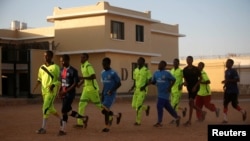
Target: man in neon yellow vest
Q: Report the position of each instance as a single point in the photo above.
(142, 77)
(176, 90)
(48, 77)
(90, 90)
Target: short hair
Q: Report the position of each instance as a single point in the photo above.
(107, 60)
(65, 57)
(176, 59)
(86, 55)
(230, 60)
(49, 52)
(141, 58)
(202, 63)
(164, 62)
(191, 57)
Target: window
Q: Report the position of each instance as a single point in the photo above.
(15, 55)
(23, 55)
(20, 53)
(8, 55)
(139, 33)
(117, 30)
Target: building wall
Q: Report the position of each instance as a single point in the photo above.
(244, 72)
(37, 59)
(129, 43)
(5, 33)
(165, 41)
(92, 33)
(80, 34)
(36, 32)
(121, 63)
(215, 68)
(125, 63)
(165, 45)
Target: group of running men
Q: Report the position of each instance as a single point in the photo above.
(63, 81)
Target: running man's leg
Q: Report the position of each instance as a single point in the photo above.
(199, 105)
(235, 104)
(140, 107)
(47, 108)
(160, 106)
(172, 112)
(84, 99)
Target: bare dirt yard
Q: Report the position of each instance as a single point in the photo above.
(19, 121)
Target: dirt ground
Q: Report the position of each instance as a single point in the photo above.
(19, 121)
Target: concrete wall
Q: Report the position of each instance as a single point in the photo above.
(90, 32)
(121, 63)
(80, 34)
(37, 59)
(215, 68)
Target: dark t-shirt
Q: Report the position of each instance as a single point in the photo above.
(68, 78)
(231, 87)
(191, 75)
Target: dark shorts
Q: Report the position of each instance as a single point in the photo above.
(66, 103)
(191, 94)
(230, 97)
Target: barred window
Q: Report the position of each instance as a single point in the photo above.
(139, 33)
(117, 30)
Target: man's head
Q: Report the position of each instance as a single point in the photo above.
(176, 62)
(64, 59)
(140, 62)
(106, 63)
(201, 65)
(229, 63)
(48, 55)
(162, 65)
(84, 57)
(189, 60)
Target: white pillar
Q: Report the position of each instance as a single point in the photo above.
(51, 45)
